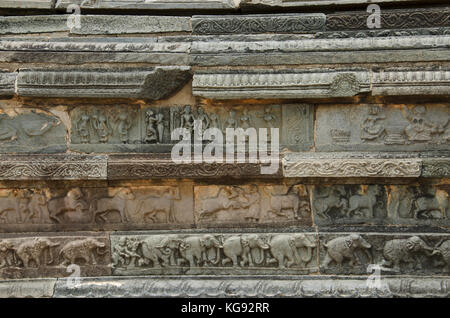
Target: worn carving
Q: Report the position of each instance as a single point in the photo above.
(343, 249)
(213, 253)
(7, 81)
(399, 251)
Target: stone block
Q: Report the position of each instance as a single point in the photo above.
(31, 131)
(27, 4)
(286, 23)
(7, 83)
(34, 24)
(29, 288)
(154, 4)
(101, 208)
(382, 128)
(215, 254)
(436, 168)
(50, 255)
(155, 83)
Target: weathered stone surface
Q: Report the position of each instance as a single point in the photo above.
(340, 165)
(436, 168)
(300, 50)
(314, 3)
(98, 50)
(149, 128)
(154, 4)
(382, 127)
(81, 209)
(287, 23)
(126, 167)
(30, 288)
(7, 83)
(27, 4)
(351, 253)
(252, 204)
(123, 24)
(228, 287)
(209, 254)
(33, 24)
(155, 83)
(49, 256)
(55, 167)
(31, 130)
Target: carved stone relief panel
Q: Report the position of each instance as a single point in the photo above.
(31, 131)
(252, 204)
(96, 208)
(214, 253)
(352, 253)
(379, 127)
(49, 256)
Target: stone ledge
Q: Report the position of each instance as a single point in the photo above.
(27, 4)
(27, 288)
(235, 287)
(155, 4)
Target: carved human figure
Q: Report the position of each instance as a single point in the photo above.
(204, 119)
(160, 126)
(194, 250)
(245, 119)
(227, 198)
(284, 249)
(214, 121)
(187, 119)
(84, 249)
(82, 128)
(253, 198)
(231, 121)
(33, 249)
(7, 132)
(101, 126)
(123, 127)
(6, 253)
(241, 246)
(420, 129)
(371, 129)
(399, 251)
(341, 248)
(443, 249)
(125, 252)
(151, 133)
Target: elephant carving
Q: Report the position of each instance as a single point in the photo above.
(6, 253)
(81, 249)
(285, 247)
(242, 246)
(160, 250)
(443, 249)
(73, 201)
(119, 202)
(342, 248)
(404, 250)
(33, 249)
(194, 250)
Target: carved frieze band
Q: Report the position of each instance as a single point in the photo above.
(320, 83)
(156, 83)
(52, 167)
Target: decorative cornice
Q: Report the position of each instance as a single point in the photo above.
(436, 168)
(7, 83)
(294, 286)
(53, 167)
(287, 23)
(156, 83)
(322, 83)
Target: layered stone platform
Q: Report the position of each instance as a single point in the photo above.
(357, 207)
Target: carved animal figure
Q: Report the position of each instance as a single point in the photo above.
(194, 250)
(225, 199)
(32, 250)
(425, 207)
(334, 198)
(73, 201)
(360, 203)
(344, 247)
(284, 249)
(404, 250)
(7, 204)
(6, 253)
(283, 202)
(119, 202)
(159, 249)
(242, 246)
(81, 249)
(443, 249)
(150, 207)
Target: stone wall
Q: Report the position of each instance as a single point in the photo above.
(88, 104)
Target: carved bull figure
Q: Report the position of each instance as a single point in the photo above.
(118, 202)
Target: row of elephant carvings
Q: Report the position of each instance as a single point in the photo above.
(272, 250)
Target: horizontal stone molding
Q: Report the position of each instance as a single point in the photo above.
(27, 4)
(34, 24)
(298, 167)
(436, 168)
(154, 4)
(7, 83)
(27, 288)
(53, 167)
(229, 287)
(155, 83)
(289, 23)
